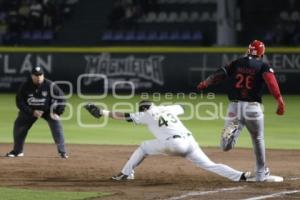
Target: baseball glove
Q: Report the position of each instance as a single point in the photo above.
(93, 110)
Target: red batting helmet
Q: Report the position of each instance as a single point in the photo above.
(256, 48)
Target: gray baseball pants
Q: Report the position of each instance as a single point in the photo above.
(247, 114)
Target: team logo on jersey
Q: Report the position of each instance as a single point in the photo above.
(44, 93)
(32, 101)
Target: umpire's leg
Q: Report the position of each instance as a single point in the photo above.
(57, 134)
(21, 126)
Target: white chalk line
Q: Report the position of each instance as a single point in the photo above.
(189, 194)
(293, 179)
(273, 195)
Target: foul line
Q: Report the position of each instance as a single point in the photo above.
(273, 195)
(293, 179)
(205, 192)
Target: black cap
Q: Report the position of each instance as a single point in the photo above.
(144, 105)
(37, 71)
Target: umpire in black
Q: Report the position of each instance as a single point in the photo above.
(38, 98)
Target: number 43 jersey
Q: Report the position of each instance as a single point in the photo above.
(246, 81)
(162, 121)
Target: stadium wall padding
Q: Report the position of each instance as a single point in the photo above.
(146, 69)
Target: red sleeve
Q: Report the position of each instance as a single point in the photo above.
(272, 84)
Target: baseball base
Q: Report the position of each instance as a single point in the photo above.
(273, 178)
(269, 179)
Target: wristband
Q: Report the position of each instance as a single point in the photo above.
(105, 113)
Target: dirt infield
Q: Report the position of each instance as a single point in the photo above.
(90, 167)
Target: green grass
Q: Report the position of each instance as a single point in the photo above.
(25, 194)
(281, 132)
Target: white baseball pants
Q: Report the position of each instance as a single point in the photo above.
(184, 146)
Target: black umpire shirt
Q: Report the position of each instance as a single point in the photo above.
(32, 97)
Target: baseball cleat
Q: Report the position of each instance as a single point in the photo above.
(122, 176)
(267, 171)
(229, 131)
(63, 156)
(245, 176)
(13, 154)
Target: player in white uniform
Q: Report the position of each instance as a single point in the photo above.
(172, 138)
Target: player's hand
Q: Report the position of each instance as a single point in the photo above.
(280, 106)
(93, 110)
(54, 116)
(202, 85)
(38, 113)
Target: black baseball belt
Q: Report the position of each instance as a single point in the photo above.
(179, 136)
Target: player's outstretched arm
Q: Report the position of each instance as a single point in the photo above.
(97, 112)
(273, 87)
(116, 115)
(214, 78)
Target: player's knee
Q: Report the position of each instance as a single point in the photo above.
(143, 148)
(179, 150)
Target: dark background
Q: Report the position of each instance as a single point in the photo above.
(178, 24)
(140, 22)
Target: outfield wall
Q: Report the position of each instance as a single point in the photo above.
(161, 69)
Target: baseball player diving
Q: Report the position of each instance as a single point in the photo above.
(246, 77)
(172, 138)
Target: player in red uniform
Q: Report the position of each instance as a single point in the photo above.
(247, 77)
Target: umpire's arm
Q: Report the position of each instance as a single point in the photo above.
(59, 101)
(21, 103)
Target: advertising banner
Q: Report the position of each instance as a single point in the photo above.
(151, 72)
